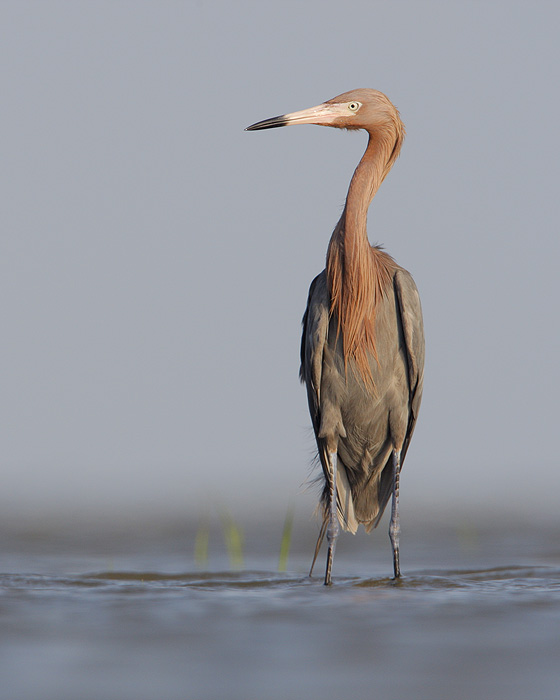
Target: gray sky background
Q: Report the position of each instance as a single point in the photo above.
(156, 258)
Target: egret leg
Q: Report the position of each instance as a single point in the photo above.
(319, 543)
(394, 526)
(332, 526)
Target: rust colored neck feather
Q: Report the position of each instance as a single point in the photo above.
(358, 274)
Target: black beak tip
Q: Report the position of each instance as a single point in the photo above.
(273, 123)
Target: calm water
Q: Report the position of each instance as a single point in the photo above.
(88, 613)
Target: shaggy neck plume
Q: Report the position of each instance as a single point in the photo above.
(358, 274)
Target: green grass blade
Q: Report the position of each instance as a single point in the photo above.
(286, 540)
(201, 545)
(234, 541)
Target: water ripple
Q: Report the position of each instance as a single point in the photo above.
(502, 580)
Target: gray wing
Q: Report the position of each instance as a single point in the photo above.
(313, 364)
(410, 321)
(314, 335)
(410, 316)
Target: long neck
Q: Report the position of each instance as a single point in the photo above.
(357, 274)
(364, 184)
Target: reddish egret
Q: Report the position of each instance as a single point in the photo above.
(362, 348)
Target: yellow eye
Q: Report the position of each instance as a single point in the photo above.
(354, 106)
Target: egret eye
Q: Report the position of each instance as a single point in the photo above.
(354, 106)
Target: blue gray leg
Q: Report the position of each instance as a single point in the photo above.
(332, 527)
(394, 527)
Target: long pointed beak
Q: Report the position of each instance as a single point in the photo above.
(324, 114)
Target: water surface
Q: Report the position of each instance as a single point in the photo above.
(95, 618)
